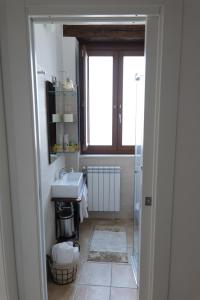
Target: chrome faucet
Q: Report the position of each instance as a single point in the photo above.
(61, 173)
(64, 171)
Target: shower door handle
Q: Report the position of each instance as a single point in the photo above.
(120, 118)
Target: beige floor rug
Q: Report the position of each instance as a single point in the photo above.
(108, 244)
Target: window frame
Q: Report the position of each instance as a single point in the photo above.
(117, 50)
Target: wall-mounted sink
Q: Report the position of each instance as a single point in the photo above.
(69, 186)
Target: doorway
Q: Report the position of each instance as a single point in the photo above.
(139, 219)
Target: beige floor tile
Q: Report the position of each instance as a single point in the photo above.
(122, 276)
(84, 238)
(86, 228)
(61, 292)
(84, 243)
(103, 222)
(84, 248)
(80, 266)
(95, 274)
(127, 222)
(83, 255)
(86, 292)
(123, 294)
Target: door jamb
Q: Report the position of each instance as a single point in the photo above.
(37, 179)
(36, 129)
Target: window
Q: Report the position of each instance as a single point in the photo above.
(108, 96)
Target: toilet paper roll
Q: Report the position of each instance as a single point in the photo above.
(68, 118)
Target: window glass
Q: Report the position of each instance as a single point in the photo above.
(100, 100)
(133, 70)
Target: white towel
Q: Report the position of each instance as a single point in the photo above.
(63, 253)
(84, 204)
(76, 255)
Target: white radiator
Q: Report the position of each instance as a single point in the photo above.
(103, 188)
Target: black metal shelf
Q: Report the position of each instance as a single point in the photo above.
(64, 92)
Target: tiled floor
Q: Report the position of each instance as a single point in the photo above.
(99, 281)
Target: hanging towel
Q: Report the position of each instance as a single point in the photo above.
(84, 204)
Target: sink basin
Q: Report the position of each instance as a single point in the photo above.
(69, 186)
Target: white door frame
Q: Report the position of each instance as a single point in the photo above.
(151, 77)
(29, 271)
(146, 157)
(8, 276)
(151, 127)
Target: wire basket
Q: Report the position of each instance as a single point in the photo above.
(62, 274)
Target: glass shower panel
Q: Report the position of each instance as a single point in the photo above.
(138, 166)
(131, 65)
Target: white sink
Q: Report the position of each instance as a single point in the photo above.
(69, 186)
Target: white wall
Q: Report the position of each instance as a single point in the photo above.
(53, 54)
(185, 261)
(8, 278)
(69, 56)
(126, 182)
(48, 52)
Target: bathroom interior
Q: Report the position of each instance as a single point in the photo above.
(89, 94)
